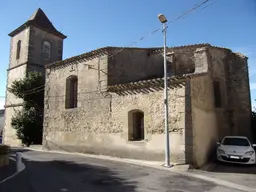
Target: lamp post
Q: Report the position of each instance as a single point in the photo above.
(163, 20)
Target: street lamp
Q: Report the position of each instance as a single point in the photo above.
(163, 20)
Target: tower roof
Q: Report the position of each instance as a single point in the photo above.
(39, 19)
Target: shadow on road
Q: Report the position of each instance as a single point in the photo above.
(67, 176)
(95, 176)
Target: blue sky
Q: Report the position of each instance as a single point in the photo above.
(90, 24)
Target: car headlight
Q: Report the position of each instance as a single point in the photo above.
(249, 153)
(221, 151)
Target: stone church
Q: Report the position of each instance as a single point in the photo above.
(110, 100)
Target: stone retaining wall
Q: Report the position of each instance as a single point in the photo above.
(4, 155)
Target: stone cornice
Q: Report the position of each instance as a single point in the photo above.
(26, 63)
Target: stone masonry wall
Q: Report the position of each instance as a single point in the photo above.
(137, 64)
(152, 106)
(99, 123)
(16, 71)
(231, 70)
(31, 59)
(24, 37)
(219, 73)
(240, 94)
(134, 65)
(37, 37)
(89, 88)
(205, 132)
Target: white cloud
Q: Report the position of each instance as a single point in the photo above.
(253, 86)
(253, 104)
(2, 103)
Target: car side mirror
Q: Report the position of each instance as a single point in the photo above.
(218, 143)
(254, 145)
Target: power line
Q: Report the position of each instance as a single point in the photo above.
(138, 40)
(209, 5)
(190, 10)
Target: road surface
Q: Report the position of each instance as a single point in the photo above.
(54, 172)
(240, 174)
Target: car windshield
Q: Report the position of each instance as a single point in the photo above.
(236, 142)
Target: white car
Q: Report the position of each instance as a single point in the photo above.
(236, 149)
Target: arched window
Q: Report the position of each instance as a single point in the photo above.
(135, 125)
(18, 49)
(71, 92)
(46, 50)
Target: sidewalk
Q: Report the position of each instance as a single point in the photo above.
(239, 174)
(154, 164)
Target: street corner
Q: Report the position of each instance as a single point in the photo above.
(182, 167)
(236, 173)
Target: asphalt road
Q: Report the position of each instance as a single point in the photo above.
(240, 174)
(54, 172)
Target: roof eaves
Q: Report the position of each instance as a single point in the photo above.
(30, 22)
(92, 54)
(152, 82)
(85, 56)
(20, 28)
(223, 48)
(160, 50)
(55, 32)
(191, 46)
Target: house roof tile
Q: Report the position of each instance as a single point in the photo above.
(104, 50)
(157, 82)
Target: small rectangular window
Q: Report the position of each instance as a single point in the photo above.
(18, 49)
(217, 94)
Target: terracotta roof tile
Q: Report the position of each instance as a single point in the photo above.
(94, 53)
(104, 50)
(152, 82)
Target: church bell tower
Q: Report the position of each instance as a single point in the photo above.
(34, 44)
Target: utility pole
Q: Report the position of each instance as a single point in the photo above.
(163, 20)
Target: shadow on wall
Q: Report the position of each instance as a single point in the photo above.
(57, 147)
(67, 176)
(188, 127)
(99, 149)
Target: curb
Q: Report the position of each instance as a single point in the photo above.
(208, 167)
(21, 168)
(159, 165)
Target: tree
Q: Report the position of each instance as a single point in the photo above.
(28, 122)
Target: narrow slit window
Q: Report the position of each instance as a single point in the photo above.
(71, 92)
(47, 50)
(18, 49)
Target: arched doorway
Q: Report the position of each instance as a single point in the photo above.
(136, 125)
